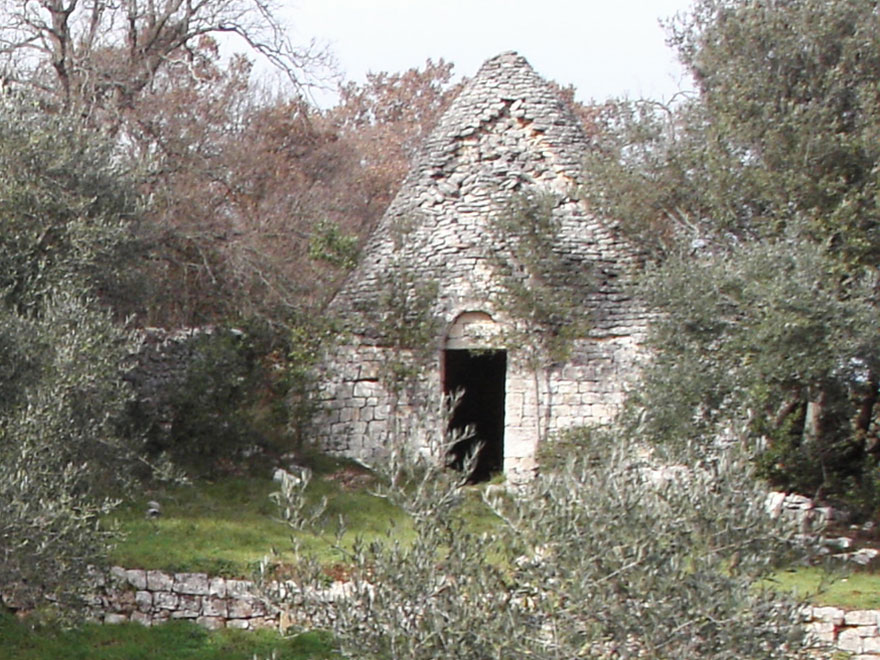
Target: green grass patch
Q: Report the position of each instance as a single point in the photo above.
(478, 517)
(226, 527)
(175, 640)
(853, 590)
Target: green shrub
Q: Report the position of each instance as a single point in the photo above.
(605, 557)
(61, 457)
(68, 209)
(229, 403)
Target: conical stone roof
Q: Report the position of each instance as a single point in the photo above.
(506, 133)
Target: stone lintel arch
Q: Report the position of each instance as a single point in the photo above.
(474, 330)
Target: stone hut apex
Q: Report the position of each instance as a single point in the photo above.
(482, 265)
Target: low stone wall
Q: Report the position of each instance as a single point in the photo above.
(160, 365)
(151, 597)
(853, 631)
(163, 358)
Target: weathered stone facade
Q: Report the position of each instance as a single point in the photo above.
(507, 135)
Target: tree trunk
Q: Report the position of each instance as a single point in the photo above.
(863, 420)
(813, 420)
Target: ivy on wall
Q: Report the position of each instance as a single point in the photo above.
(541, 286)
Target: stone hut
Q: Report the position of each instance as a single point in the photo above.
(449, 294)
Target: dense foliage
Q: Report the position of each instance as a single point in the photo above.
(69, 207)
(226, 405)
(66, 215)
(610, 556)
(254, 203)
(782, 129)
(758, 195)
(760, 345)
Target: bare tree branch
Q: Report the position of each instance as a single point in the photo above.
(100, 53)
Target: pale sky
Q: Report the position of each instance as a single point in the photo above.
(603, 47)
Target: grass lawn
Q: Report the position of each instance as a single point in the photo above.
(226, 527)
(858, 590)
(222, 527)
(176, 640)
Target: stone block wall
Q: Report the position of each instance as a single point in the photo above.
(852, 631)
(152, 597)
(353, 402)
(592, 387)
(357, 411)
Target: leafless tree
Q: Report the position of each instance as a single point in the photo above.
(105, 53)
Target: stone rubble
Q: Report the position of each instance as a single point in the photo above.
(804, 509)
(809, 515)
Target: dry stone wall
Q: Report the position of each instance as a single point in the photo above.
(851, 631)
(152, 597)
(160, 366)
(163, 358)
(158, 371)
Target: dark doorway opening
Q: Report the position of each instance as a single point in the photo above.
(479, 375)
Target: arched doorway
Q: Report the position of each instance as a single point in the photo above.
(475, 369)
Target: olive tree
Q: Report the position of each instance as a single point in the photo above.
(616, 554)
(69, 208)
(761, 345)
(66, 217)
(61, 458)
(758, 197)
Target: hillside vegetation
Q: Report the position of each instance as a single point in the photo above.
(147, 180)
